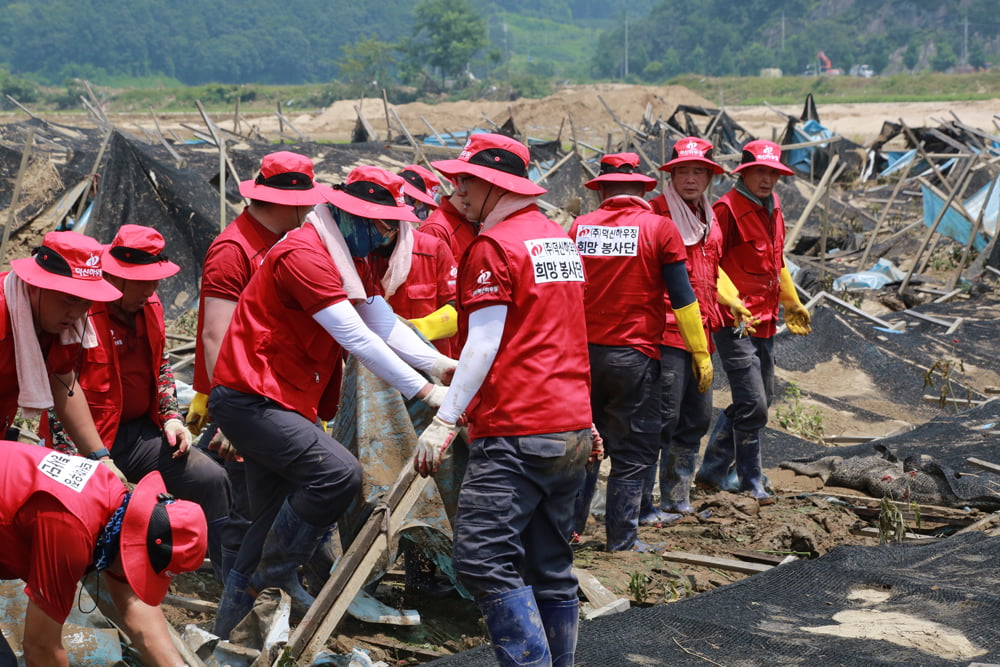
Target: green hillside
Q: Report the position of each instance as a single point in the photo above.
(516, 46)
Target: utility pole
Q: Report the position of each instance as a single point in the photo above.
(965, 43)
(625, 75)
(782, 32)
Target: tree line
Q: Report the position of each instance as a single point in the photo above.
(438, 44)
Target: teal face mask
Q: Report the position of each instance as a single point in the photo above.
(360, 234)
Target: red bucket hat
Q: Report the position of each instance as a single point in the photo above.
(693, 149)
(136, 253)
(285, 178)
(496, 159)
(67, 262)
(420, 184)
(160, 537)
(373, 192)
(620, 168)
(764, 153)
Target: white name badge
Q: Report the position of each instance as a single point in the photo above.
(555, 260)
(598, 241)
(68, 470)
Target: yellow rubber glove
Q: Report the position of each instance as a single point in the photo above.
(729, 297)
(693, 333)
(442, 323)
(197, 415)
(797, 318)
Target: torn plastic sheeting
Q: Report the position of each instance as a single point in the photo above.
(801, 158)
(89, 639)
(975, 203)
(380, 428)
(861, 280)
(953, 224)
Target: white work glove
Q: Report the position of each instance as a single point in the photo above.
(443, 370)
(220, 445)
(435, 398)
(109, 463)
(177, 436)
(432, 445)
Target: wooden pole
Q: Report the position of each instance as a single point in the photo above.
(222, 186)
(823, 184)
(927, 237)
(920, 149)
(93, 172)
(17, 194)
(353, 570)
(972, 235)
(885, 214)
(388, 124)
(963, 184)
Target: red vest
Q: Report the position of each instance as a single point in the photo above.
(624, 246)
(540, 379)
(278, 351)
(703, 272)
(429, 285)
(244, 234)
(752, 256)
(449, 224)
(88, 490)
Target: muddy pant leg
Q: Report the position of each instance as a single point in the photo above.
(140, 448)
(749, 366)
(625, 400)
(286, 455)
(514, 511)
(690, 412)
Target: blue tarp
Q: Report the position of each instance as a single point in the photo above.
(956, 226)
(801, 158)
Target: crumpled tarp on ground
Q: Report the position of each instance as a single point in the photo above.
(89, 638)
(377, 426)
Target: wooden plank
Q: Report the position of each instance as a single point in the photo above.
(393, 645)
(758, 557)
(594, 590)
(353, 570)
(191, 604)
(948, 400)
(11, 217)
(983, 465)
(712, 561)
(824, 186)
(907, 537)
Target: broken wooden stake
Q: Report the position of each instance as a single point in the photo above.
(730, 564)
(602, 600)
(983, 465)
(354, 568)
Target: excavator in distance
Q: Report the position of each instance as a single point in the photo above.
(826, 67)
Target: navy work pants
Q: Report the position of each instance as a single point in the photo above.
(286, 456)
(515, 509)
(625, 398)
(141, 447)
(749, 365)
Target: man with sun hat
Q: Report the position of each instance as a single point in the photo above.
(753, 237)
(63, 517)
(686, 411)
(634, 259)
(43, 308)
(280, 196)
(279, 371)
(129, 384)
(523, 380)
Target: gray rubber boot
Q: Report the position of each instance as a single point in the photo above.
(235, 603)
(515, 627)
(720, 454)
(561, 620)
(649, 514)
(748, 466)
(676, 474)
(289, 544)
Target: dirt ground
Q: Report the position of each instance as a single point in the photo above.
(580, 109)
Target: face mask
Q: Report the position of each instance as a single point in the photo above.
(360, 234)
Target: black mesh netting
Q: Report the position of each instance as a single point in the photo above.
(933, 604)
